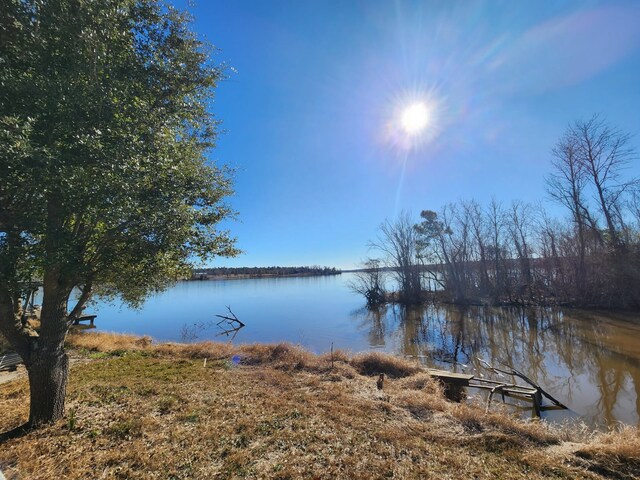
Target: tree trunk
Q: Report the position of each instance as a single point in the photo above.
(47, 362)
(48, 374)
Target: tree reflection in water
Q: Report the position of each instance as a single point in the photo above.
(589, 361)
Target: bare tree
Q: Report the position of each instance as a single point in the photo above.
(604, 153)
(521, 254)
(369, 282)
(443, 239)
(496, 250)
(519, 225)
(589, 164)
(552, 270)
(397, 242)
(566, 186)
(480, 234)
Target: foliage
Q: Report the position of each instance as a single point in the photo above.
(105, 126)
(105, 130)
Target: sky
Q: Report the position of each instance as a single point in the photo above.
(312, 109)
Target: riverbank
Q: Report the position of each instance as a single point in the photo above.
(145, 410)
(231, 273)
(444, 298)
(245, 276)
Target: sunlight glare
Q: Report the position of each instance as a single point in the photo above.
(415, 118)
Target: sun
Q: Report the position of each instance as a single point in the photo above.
(415, 118)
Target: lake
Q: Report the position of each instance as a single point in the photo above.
(589, 361)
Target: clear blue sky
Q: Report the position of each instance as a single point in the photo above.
(311, 113)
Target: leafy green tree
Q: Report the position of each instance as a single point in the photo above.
(105, 187)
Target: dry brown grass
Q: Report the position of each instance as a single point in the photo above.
(615, 454)
(623, 442)
(281, 355)
(374, 363)
(107, 342)
(142, 410)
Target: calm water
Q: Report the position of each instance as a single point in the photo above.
(589, 361)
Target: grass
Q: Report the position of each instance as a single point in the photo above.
(141, 410)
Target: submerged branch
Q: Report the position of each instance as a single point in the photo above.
(230, 320)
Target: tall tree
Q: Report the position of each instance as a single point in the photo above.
(604, 152)
(518, 226)
(566, 186)
(480, 233)
(496, 220)
(589, 178)
(397, 242)
(438, 242)
(105, 186)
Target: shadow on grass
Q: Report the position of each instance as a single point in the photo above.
(16, 432)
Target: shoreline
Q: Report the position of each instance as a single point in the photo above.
(252, 276)
(436, 298)
(137, 409)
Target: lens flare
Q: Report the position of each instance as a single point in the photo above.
(415, 118)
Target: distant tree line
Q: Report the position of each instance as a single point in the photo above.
(204, 273)
(519, 253)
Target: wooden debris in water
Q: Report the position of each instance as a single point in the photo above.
(532, 393)
(231, 324)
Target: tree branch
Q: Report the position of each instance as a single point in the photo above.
(85, 295)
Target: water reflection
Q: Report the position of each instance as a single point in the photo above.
(375, 320)
(588, 361)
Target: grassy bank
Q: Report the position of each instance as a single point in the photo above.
(141, 410)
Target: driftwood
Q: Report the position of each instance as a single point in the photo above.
(230, 320)
(230, 325)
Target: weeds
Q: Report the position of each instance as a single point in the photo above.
(71, 419)
(166, 405)
(126, 429)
